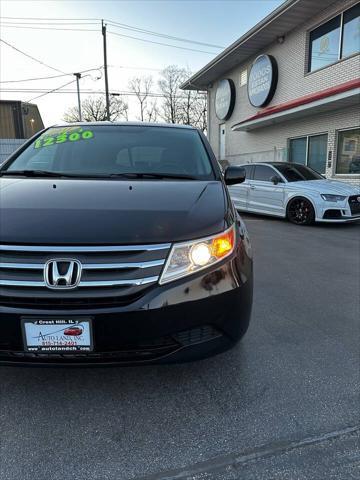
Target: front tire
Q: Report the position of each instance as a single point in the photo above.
(300, 211)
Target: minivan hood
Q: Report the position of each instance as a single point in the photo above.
(70, 211)
(327, 186)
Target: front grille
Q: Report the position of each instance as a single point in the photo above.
(354, 204)
(144, 350)
(111, 275)
(73, 303)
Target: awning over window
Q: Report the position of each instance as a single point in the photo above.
(341, 96)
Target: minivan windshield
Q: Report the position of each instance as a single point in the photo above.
(298, 173)
(115, 151)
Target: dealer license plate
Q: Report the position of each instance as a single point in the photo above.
(57, 335)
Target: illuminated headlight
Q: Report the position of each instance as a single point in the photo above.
(190, 257)
(200, 254)
(332, 198)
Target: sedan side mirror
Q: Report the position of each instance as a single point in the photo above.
(234, 175)
(275, 180)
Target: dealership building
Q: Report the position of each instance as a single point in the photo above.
(289, 90)
(18, 121)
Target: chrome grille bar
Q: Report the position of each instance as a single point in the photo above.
(97, 283)
(114, 266)
(23, 266)
(88, 266)
(87, 249)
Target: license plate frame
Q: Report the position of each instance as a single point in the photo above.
(57, 335)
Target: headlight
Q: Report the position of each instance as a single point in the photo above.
(190, 257)
(332, 198)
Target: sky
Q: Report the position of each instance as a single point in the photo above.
(214, 22)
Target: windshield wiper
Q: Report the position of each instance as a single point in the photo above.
(45, 173)
(176, 176)
(130, 175)
(33, 173)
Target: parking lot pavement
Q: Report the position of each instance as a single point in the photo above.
(282, 405)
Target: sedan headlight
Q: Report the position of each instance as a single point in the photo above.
(190, 257)
(333, 198)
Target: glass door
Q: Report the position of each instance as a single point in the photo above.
(317, 152)
(222, 141)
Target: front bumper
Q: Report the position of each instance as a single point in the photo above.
(336, 212)
(342, 219)
(188, 319)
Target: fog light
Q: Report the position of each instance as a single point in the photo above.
(200, 254)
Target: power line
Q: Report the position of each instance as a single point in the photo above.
(93, 21)
(160, 43)
(45, 19)
(157, 34)
(90, 92)
(113, 33)
(33, 79)
(51, 28)
(29, 56)
(48, 78)
(126, 67)
(6, 22)
(50, 91)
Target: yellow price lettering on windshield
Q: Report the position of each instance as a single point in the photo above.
(63, 137)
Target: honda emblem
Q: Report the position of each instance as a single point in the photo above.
(62, 274)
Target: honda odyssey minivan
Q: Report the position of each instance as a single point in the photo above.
(119, 244)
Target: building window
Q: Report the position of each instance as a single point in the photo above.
(310, 151)
(243, 77)
(351, 32)
(338, 38)
(348, 152)
(324, 44)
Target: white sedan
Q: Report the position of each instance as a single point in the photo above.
(296, 192)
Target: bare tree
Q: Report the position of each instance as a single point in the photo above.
(195, 109)
(152, 112)
(169, 85)
(141, 87)
(203, 118)
(93, 109)
(188, 107)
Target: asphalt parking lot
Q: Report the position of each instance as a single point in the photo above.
(283, 405)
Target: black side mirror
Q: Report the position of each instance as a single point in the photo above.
(275, 180)
(234, 175)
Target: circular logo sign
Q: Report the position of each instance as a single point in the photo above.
(225, 99)
(262, 80)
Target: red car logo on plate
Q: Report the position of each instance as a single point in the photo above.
(73, 331)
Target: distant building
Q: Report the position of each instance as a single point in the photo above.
(289, 90)
(19, 120)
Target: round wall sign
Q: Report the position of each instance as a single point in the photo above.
(225, 99)
(262, 80)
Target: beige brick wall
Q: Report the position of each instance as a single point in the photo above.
(270, 143)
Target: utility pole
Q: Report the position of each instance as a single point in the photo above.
(103, 31)
(78, 76)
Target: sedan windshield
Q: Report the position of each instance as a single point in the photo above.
(115, 151)
(298, 173)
